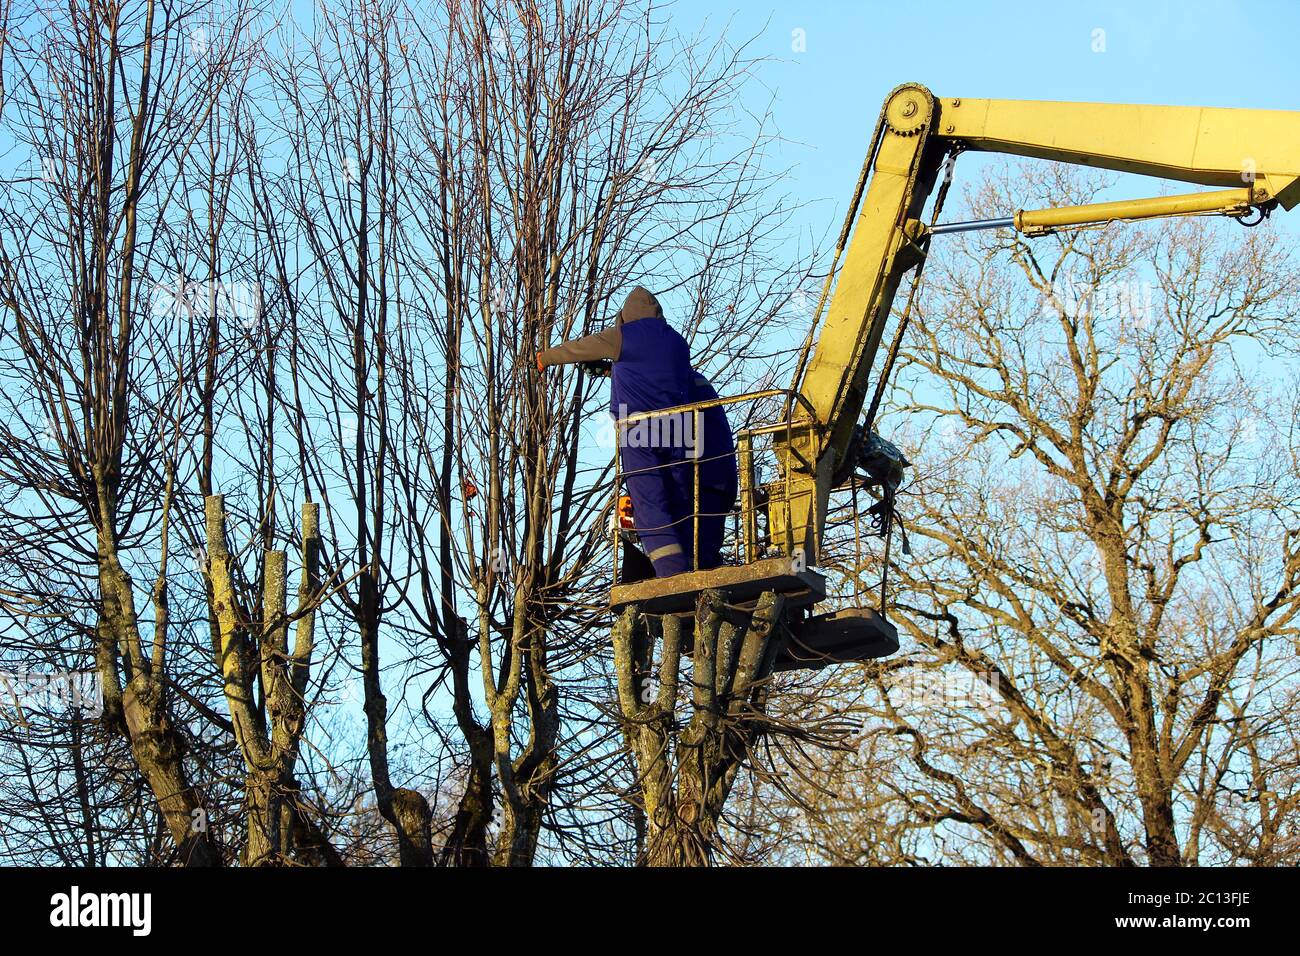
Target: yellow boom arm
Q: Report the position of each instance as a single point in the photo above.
(1254, 152)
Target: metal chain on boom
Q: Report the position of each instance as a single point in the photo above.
(849, 218)
(896, 344)
(887, 502)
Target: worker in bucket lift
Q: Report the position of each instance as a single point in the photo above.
(651, 371)
(718, 488)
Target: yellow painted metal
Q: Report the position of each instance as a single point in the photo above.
(883, 247)
(835, 382)
(1204, 145)
(748, 511)
(1229, 202)
(1255, 151)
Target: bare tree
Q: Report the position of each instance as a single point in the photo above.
(105, 101)
(553, 177)
(127, 356)
(411, 202)
(1101, 597)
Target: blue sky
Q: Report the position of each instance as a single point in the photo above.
(826, 99)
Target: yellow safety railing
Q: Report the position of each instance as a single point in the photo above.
(752, 443)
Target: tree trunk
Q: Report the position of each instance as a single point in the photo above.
(685, 776)
(138, 707)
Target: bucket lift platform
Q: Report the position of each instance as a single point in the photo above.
(775, 516)
(678, 594)
(849, 634)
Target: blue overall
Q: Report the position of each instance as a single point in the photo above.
(717, 465)
(652, 372)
